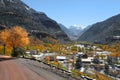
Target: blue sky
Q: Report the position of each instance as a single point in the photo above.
(79, 12)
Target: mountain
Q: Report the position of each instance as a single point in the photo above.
(105, 32)
(67, 31)
(15, 12)
(75, 29)
(73, 32)
(64, 28)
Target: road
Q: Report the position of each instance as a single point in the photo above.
(12, 70)
(24, 69)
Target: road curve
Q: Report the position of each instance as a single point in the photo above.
(12, 70)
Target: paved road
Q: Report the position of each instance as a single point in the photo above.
(23, 69)
(44, 70)
(12, 70)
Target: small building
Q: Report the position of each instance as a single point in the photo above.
(81, 53)
(80, 46)
(27, 52)
(103, 54)
(50, 58)
(50, 54)
(61, 58)
(38, 56)
(99, 49)
(87, 60)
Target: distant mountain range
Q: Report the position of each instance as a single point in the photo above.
(104, 32)
(73, 32)
(15, 12)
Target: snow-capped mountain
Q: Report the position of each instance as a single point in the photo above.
(75, 29)
(73, 32)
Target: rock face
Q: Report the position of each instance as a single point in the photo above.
(15, 12)
(107, 31)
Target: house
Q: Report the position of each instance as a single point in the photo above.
(87, 60)
(80, 53)
(27, 52)
(99, 49)
(79, 46)
(61, 58)
(38, 56)
(103, 54)
(50, 54)
(50, 58)
(31, 52)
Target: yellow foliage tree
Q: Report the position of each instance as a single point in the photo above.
(4, 35)
(15, 37)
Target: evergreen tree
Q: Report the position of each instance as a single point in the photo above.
(96, 60)
(78, 64)
(106, 68)
(110, 60)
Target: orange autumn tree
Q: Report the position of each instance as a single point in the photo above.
(3, 37)
(15, 37)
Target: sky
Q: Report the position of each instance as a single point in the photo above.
(76, 12)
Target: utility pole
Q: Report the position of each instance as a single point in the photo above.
(4, 48)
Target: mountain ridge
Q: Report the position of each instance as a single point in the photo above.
(16, 12)
(104, 32)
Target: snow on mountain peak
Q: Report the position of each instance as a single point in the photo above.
(77, 27)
